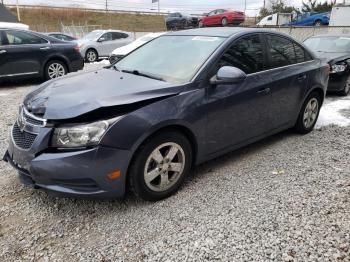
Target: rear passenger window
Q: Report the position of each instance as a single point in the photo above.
(245, 54)
(23, 38)
(281, 51)
(119, 36)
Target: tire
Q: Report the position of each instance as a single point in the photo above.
(308, 114)
(91, 55)
(346, 89)
(224, 22)
(55, 69)
(200, 24)
(150, 175)
(318, 23)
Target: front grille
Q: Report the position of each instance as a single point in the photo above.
(31, 120)
(23, 139)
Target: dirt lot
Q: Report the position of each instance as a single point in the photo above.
(286, 198)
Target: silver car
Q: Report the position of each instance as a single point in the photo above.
(100, 43)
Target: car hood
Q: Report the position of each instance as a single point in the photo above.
(333, 57)
(80, 93)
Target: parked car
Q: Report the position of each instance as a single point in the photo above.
(28, 54)
(275, 19)
(100, 43)
(222, 17)
(310, 19)
(124, 50)
(175, 102)
(335, 49)
(180, 21)
(62, 36)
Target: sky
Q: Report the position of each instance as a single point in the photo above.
(188, 6)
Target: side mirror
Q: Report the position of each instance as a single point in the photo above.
(228, 75)
(102, 39)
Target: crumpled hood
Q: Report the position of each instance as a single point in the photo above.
(333, 57)
(81, 93)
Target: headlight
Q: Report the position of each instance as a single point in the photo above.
(81, 135)
(337, 68)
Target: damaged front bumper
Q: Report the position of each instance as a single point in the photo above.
(81, 173)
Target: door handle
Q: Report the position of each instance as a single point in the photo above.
(301, 77)
(264, 91)
(3, 52)
(45, 48)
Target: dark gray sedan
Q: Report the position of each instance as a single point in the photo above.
(179, 100)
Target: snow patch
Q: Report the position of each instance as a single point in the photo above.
(331, 113)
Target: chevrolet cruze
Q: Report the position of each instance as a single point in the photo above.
(175, 102)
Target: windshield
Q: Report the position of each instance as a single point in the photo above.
(331, 44)
(93, 35)
(175, 59)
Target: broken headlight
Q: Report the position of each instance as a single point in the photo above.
(81, 135)
(338, 68)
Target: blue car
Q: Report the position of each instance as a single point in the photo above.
(177, 101)
(311, 19)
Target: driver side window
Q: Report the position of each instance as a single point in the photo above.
(246, 54)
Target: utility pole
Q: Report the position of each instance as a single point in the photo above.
(106, 6)
(245, 6)
(18, 14)
(158, 7)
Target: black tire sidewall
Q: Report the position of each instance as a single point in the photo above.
(344, 92)
(136, 175)
(300, 127)
(46, 73)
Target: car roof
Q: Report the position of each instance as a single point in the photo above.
(221, 31)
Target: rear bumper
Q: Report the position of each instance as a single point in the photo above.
(77, 65)
(337, 81)
(77, 174)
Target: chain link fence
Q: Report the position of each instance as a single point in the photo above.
(79, 31)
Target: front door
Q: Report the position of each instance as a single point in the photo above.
(240, 112)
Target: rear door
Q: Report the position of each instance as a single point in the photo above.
(240, 112)
(25, 52)
(288, 63)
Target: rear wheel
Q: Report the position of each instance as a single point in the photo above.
(160, 166)
(346, 89)
(224, 21)
(54, 69)
(309, 114)
(318, 23)
(91, 55)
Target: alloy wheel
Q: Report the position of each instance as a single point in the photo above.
(164, 167)
(91, 56)
(56, 70)
(310, 113)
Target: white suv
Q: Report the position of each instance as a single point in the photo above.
(100, 43)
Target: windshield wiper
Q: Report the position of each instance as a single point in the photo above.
(138, 73)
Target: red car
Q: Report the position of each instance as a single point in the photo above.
(222, 17)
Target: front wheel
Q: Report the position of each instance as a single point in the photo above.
(308, 114)
(55, 69)
(346, 89)
(160, 166)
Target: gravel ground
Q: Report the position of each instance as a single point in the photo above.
(286, 198)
